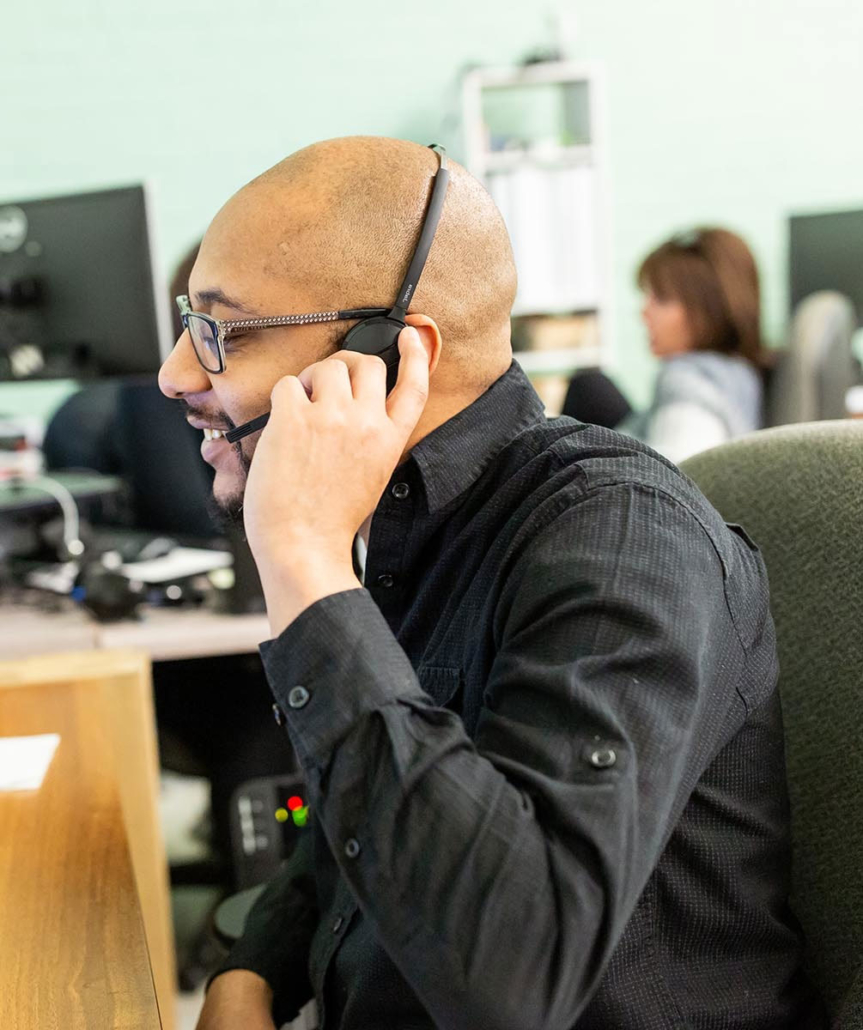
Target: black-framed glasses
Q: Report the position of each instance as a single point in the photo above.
(208, 334)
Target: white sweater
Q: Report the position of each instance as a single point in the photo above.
(701, 399)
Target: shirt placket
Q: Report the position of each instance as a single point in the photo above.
(386, 565)
(339, 918)
(386, 560)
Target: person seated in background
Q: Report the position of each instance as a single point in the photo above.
(701, 309)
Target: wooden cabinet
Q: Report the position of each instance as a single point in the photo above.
(85, 933)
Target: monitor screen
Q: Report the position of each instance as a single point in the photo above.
(826, 253)
(78, 296)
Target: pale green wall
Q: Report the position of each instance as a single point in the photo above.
(718, 111)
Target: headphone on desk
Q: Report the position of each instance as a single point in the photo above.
(379, 334)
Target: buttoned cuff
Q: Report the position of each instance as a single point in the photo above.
(337, 662)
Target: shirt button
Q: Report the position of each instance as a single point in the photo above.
(352, 847)
(278, 715)
(603, 758)
(401, 491)
(298, 697)
(386, 580)
(337, 925)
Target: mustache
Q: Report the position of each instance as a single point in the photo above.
(217, 418)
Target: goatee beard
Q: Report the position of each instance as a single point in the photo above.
(228, 513)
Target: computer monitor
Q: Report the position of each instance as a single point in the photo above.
(78, 294)
(826, 253)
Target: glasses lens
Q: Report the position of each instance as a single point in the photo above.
(203, 334)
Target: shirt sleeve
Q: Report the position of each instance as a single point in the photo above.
(615, 665)
(278, 933)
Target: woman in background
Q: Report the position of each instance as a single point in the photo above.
(702, 313)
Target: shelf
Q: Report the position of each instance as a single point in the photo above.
(561, 157)
(554, 362)
(534, 134)
(539, 74)
(560, 311)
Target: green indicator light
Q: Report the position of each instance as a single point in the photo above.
(301, 816)
(281, 815)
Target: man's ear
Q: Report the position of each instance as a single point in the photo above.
(430, 337)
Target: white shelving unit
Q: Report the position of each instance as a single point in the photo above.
(534, 136)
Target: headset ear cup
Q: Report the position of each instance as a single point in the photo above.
(379, 336)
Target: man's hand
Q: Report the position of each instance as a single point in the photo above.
(320, 467)
(238, 999)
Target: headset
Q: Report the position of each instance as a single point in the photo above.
(380, 333)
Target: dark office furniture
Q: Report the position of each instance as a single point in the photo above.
(825, 252)
(78, 288)
(817, 367)
(81, 433)
(797, 492)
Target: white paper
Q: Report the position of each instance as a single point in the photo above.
(180, 563)
(25, 760)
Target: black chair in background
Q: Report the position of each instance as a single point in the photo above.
(160, 458)
(592, 397)
(82, 433)
(128, 428)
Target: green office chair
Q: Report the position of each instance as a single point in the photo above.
(798, 491)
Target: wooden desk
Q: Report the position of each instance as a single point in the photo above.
(170, 633)
(39, 640)
(83, 880)
(164, 633)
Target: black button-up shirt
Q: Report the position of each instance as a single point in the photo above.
(544, 753)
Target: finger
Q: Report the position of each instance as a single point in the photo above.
(328, 381)
(289, 390)
(408, 397)
(346, 357)
(305, 377)
(369, 380)
(368, 375)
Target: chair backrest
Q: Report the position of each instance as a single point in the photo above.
(817, 368)
(126, 427)
(161, 459)
(82, 432)
(798, 491)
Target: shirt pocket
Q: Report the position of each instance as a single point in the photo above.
(738, 530)
(746, 588)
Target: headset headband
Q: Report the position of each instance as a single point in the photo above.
(427, 233)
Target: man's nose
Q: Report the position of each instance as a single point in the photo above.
(181, 373)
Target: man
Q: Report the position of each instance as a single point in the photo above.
(543, 745)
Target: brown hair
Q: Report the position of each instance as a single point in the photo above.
(713, 274)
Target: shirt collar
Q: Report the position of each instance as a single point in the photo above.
(453, 456)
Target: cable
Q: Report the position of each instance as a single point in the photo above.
(71, 521)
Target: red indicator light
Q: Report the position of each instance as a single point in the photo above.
(295, 803)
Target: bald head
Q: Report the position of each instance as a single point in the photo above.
(338, 223)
